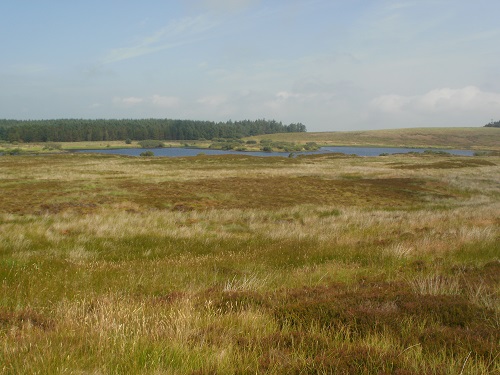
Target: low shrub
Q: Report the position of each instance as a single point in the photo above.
(13, 151)
(375, 308)
(452, 311)
(52, 146)
(151, 143)
(25, 317)
(360, 359)
(311, 146)
(453, 340)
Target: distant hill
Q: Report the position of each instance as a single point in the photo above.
(480, 138)
(493, 124)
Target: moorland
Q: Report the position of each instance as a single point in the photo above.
(485, 138)
(478, 139)
(236, 264)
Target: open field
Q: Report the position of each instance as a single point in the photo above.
(56, 147)
(458, 138)
(243, 265)
(447, 138)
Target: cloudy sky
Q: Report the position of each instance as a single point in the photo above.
(330, 64)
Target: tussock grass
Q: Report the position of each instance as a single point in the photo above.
(249, 265)
(435, 285)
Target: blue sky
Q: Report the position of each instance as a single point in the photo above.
(330, 64)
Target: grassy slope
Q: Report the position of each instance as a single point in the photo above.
(459, 138)
(236, 264)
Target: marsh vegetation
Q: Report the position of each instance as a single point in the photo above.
(238, 264)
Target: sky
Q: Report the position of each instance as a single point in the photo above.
(333, 65)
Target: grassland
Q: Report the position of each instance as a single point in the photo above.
(458, 138)
(238, 265)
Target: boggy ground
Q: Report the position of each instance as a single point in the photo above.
(235, 264)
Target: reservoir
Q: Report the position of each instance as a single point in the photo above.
(359, 151)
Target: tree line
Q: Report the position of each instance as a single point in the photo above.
(75, 130)
(493, 124)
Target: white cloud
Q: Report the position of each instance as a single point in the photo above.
(213, 100)
(177, 33)
(156, 100)
(318, 91)
(128, 102)
(292, 100)
(389, 103)
(469, 98)
(284, 95)
(165, 101)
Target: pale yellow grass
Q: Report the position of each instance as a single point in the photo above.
(118, 323)
(421, 231)
(436, 285)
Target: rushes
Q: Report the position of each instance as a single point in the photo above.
(400, 250)
(245, 284)
(484, 296)
(435, 285)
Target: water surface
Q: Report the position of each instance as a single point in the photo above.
(359, 151)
